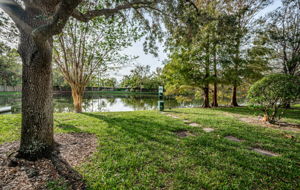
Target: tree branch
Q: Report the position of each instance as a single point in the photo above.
(16, 13)
(85, 17)
(60, 18)
(194, 6)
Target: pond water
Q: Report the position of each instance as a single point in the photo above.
(95, 102)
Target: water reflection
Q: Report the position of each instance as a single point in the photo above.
(106, 103)
(12, 100)
(94, 102)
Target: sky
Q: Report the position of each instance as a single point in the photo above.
(148, 59)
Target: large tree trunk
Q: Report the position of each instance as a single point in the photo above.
(206, 96)
(234, 96)
(37, 110)
(77, 94)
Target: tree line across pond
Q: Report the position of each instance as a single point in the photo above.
(209, 44)
(227, 43)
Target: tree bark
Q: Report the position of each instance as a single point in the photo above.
(77, 94)
(206, 96)
(215, 95)
(234, 97)
(37, 109)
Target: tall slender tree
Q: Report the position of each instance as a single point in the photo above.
(86, 48)
(244, 13)
(282, 34)
(191, 43)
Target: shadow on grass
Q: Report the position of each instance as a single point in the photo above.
(69, 128)
(146, 130)
(140, 127)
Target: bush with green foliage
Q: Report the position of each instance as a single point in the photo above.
(272, 91)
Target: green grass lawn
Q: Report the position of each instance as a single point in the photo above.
(139, 150)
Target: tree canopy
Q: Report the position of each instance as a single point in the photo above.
(141, 77)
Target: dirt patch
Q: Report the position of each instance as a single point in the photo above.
(183, 133)
(265, 152)
(259, 121)
(72, 150)
(278, 125)
(232, 138)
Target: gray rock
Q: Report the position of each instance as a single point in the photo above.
(232, 138)
(208, 130)
(265, 152)
(194, 125)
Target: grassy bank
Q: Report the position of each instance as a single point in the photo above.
(10, 93)
(140, 150)
(92, 92)
(121, 93)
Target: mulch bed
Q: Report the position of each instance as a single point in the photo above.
(20, 174)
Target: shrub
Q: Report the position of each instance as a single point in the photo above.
(271, 92)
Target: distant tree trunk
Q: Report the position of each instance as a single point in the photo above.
(237, 61)
(215, 95)
(206, 96)
(77, 94)
(287, 105)
(234, 96)
(37, 109)
(207, 75)
(5, 86)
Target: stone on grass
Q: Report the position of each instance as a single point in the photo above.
(265, 152)
(186, 121)
(173, 116)
(232, 138)
(208, 130)
(194, 125)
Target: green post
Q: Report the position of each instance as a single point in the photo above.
(161, 103)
